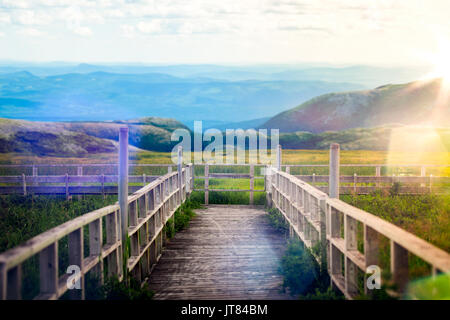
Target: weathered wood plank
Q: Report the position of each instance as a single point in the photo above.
(228, 252)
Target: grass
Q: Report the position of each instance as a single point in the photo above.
(288, 156)
(113, 289)
(277, 221)
(426, 216)
(22, 218)
(182, 217)
(303, 276)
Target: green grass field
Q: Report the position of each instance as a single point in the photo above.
(427, 216)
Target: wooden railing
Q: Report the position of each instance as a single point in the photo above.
(149, 209)
(107, 184)
(316, 218)
(31, 180)
(69, 185)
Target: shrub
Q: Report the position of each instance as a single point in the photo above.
(113, 289)
(277, 220)
(182, 216)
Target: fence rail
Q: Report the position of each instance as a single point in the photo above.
(69, 185)
(313, 215)
(317, 218)
(149, 209)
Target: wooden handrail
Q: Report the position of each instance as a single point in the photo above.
(149, 210)
(313, 216)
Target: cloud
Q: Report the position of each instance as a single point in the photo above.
(12, 4)
(30, 17)
(128, 31)
(74, 18)
(153, 26)
(31, 32)
(82, 31)
(5, 18)
(2, 34)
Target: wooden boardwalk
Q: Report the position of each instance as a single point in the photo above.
(228, 252)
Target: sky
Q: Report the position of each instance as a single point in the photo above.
(377, 32)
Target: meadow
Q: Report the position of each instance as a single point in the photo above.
(427, 216)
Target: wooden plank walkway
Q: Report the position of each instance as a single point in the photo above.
(228, 252)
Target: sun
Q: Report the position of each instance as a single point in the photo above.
(440, 62)
(441, 66)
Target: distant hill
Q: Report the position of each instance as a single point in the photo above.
(101, 96)
(83, 138)
(420, 102)
(394, 138)
(369, 76)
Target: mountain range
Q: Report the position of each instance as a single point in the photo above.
(101, 96)
(416, 103)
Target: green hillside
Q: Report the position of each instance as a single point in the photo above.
(72, 139)
(415, 103)
(391, 137)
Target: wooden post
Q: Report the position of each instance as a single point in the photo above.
(169, 169)
(334, 171)
(80, 173)
(180, 173)
(351, 282)
(423, 174)
(112, 235)
(95, 247)
(76, 255)
(192, 177)
(323, 233)
(24, 184)
(431, 183)
(371, 251)
(48, 268)
(279, 158)
(252, 182)
(335, 264)
(103, 186)
(206, 184)
(378, 174)
(288, 170)
(123, 189)
(35, 174)
(67, 187)
(14, 283)
(3, 281)
(399, 265)
(354, 182)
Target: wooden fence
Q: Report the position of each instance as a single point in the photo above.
(316, 218)
(107, 184)
(149, 209)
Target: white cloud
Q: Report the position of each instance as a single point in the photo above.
(82, 31)
(31, 32)
(74, 18)
(264, 28)
(128, 31)
(5, 18)
(2, 34)
(153, 26)
(22, 4)
(30, 17)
